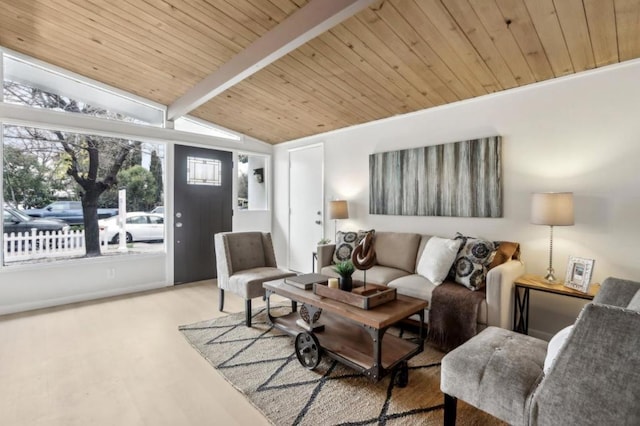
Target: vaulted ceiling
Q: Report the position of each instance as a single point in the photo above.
(391, 57)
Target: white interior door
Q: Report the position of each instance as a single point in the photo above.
(305, 205)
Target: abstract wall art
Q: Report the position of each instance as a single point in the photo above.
(462, 179)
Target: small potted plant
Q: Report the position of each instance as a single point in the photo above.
(345, 270)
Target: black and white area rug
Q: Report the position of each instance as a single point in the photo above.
(260, 362)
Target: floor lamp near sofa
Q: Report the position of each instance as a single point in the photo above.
(338, 209)
(552, 209)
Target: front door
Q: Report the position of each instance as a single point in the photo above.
(305, 202)
(202, 207)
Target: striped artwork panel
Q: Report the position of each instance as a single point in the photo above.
(461, 179)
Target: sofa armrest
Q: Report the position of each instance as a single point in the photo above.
(500, 293)
(325, 255)
(616, 292)
(596, 376)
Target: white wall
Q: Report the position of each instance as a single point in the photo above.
(580, 133)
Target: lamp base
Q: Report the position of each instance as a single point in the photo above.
(550, 275)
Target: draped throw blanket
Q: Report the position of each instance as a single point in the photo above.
(453, 315)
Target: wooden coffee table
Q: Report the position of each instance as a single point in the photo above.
(353, 336)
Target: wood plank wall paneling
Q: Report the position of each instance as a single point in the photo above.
(394, 57)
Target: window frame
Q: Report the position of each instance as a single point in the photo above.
(266, 173)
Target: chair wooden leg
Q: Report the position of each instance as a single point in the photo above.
(450, 404)
(220, 299)
(247, 308)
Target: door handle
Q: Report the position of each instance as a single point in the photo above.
(318, 222)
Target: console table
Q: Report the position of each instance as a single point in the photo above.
(534, 282)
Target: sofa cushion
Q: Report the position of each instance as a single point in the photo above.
(413, 286)
(437, 258)
(419, 287)
(346, 242)
(470, 266)
(555, 345)
(397, 250)
(376, 275)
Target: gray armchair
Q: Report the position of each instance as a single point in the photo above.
(245, 260)
(594, 380)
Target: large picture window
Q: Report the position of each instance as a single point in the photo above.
(60, 194)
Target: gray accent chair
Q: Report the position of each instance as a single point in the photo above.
(244, 261)
(595, 379)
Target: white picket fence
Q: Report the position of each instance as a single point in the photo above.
(39, 245)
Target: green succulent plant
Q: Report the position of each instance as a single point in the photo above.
(345, 269)
(324, 241)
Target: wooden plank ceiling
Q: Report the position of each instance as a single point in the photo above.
(394, 57)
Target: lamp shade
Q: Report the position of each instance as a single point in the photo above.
(552, 208)
(338, 209)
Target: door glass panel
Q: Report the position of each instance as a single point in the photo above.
(204, 171)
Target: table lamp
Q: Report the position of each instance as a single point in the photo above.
(552, 209)
(338, 209)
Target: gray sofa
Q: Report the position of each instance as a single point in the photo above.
(594, 380)
(397, 255)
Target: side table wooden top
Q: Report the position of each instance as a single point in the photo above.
(537, 282)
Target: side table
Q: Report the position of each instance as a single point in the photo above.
(538, 283)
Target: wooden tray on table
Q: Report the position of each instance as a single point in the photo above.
(363, 297)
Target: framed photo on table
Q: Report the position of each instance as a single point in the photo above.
(579, 273)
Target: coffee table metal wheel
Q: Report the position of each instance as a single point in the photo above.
(308, 350)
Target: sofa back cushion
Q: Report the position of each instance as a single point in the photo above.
(397, 250)
(246, 250)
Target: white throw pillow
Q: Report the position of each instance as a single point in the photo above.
(437, 258)
(555, 345)
(634, 304)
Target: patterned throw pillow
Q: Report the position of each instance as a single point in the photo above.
(346, 242)
(470, 266)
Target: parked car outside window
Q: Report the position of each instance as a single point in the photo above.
(158, 209)
(69, 211)
(140, 226)
(16, 221)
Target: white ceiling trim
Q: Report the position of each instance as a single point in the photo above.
(305, 24)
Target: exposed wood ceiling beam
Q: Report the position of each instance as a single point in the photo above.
(305, 24)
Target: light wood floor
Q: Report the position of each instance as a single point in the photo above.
(117, 361)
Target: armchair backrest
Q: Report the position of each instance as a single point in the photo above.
(616, 292)
(596, 376)
(239, 251)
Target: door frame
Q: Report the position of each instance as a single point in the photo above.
(169, 198)
(322, 191)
